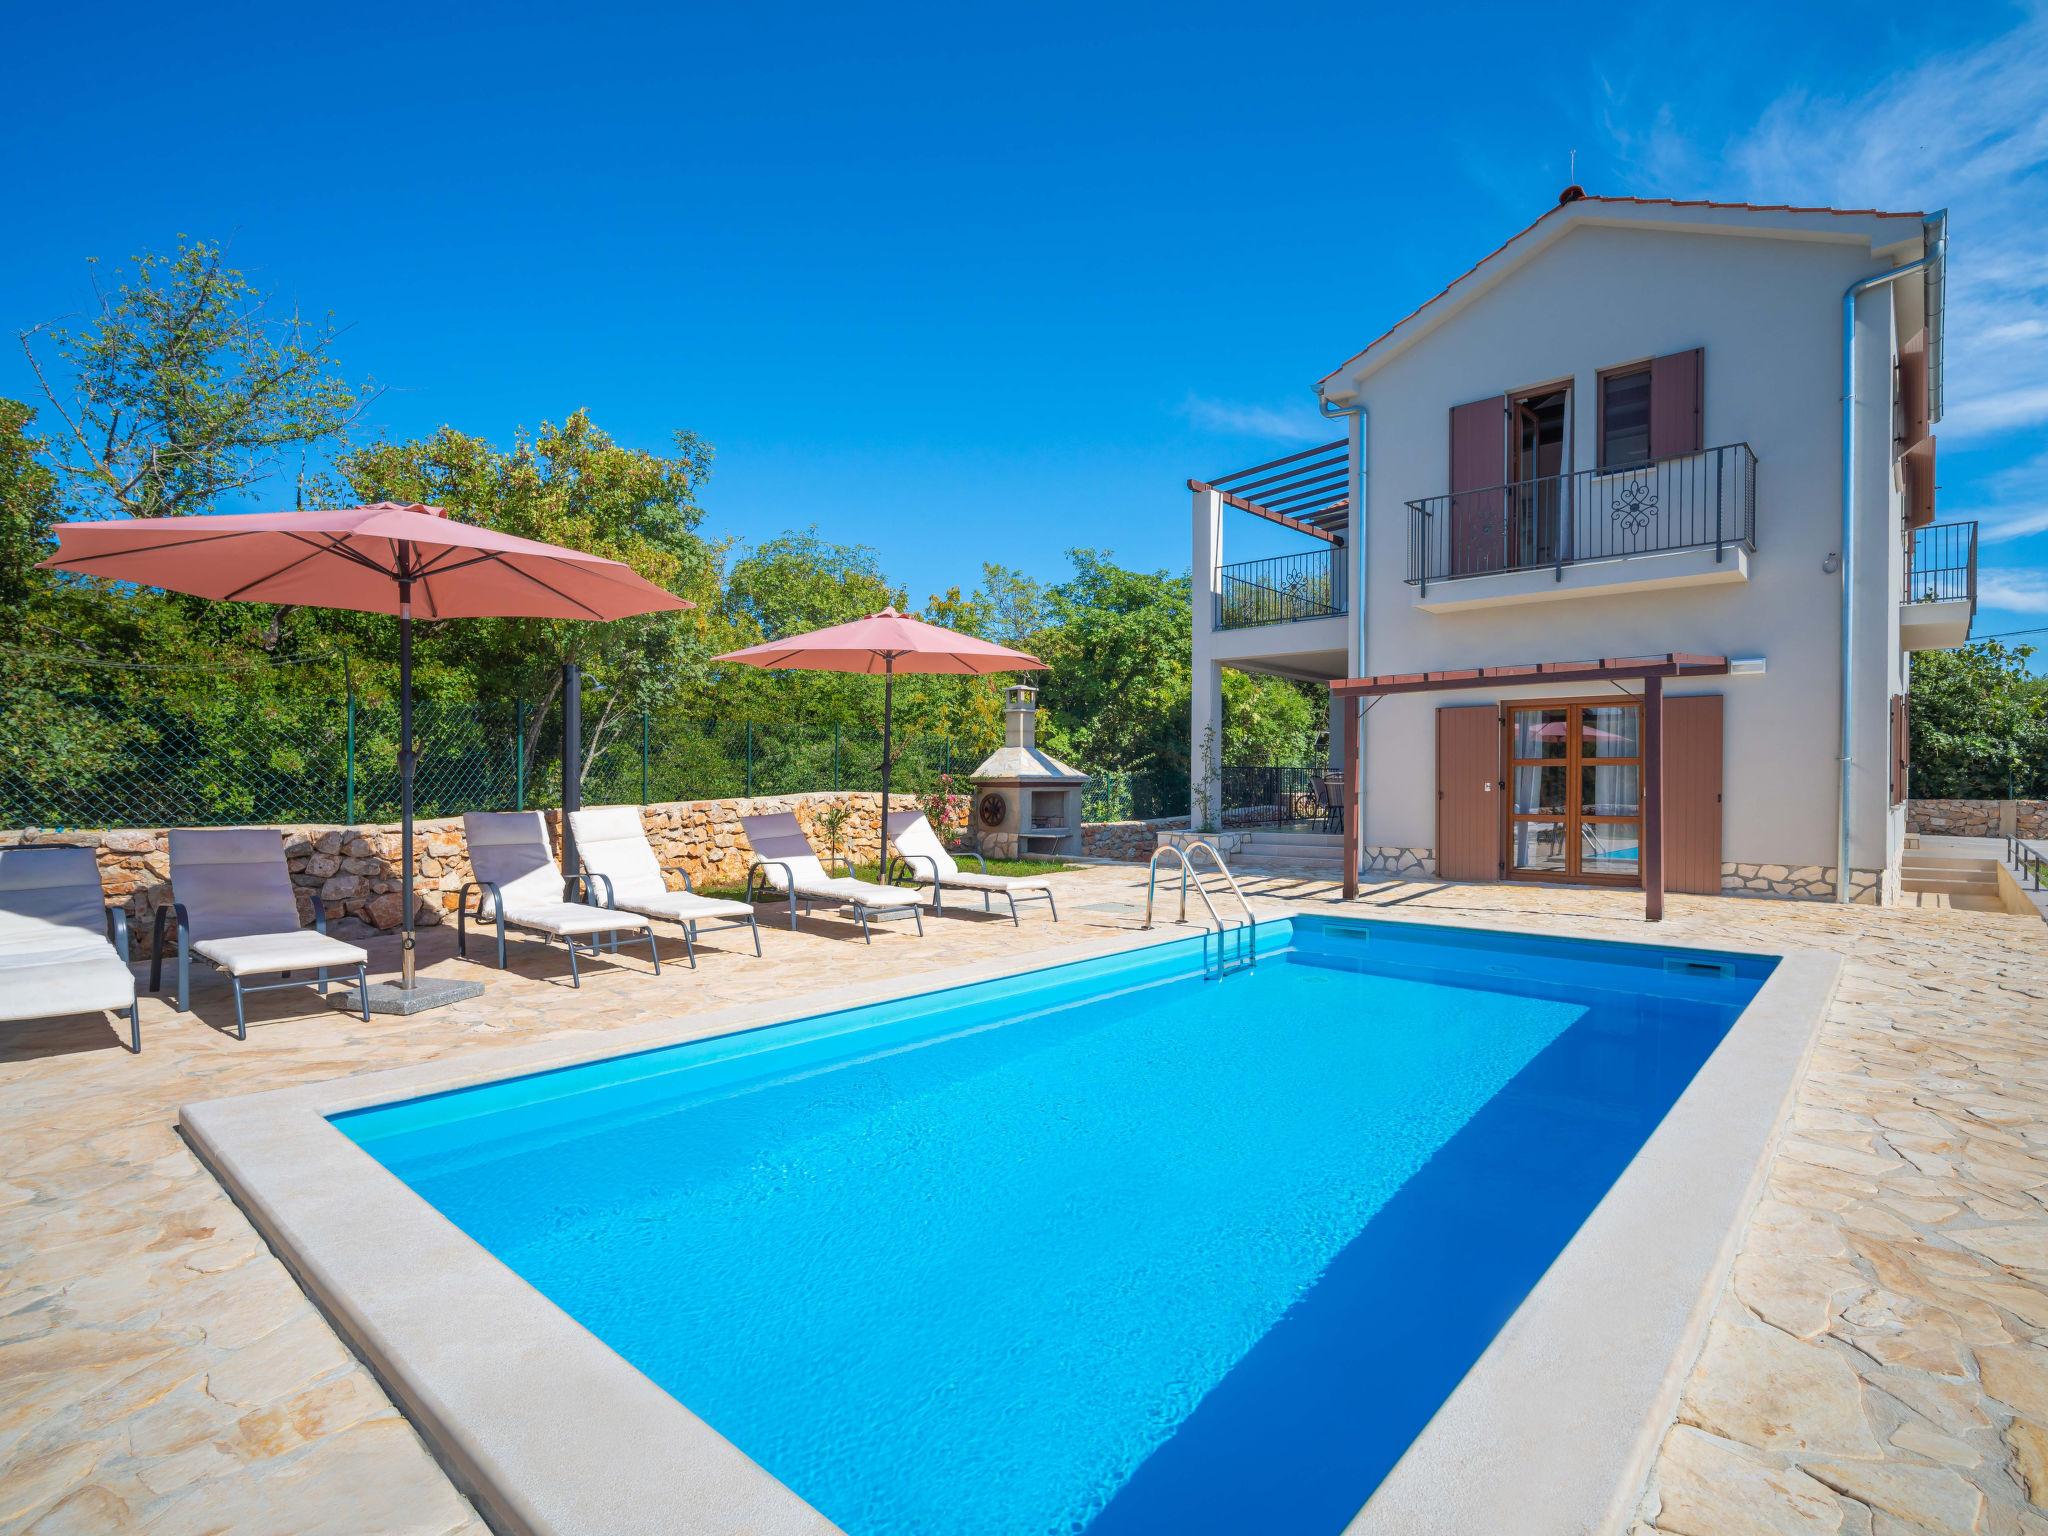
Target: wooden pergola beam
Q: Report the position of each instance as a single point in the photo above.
(1607, 669)
(1269, 514)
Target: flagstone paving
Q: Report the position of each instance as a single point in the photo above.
(1875, 1365)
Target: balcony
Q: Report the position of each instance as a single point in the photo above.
(1280, 590)
(1940, 597)
(1689, 520)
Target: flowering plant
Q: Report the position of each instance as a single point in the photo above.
(944, 806)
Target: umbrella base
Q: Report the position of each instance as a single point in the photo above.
(427, 992)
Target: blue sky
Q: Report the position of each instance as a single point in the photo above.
(975, 282)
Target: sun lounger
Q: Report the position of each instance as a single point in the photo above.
(518, 883)
(63, 950)
(785, 864)
(620, 871)
(236, 910)
(920, 850)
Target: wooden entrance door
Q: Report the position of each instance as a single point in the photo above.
(1468, 792)
(1575, 806)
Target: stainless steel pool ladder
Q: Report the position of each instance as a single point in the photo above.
(1247, 946)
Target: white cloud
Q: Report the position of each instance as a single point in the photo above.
(1966, 130)
(1281, 424)
(2014, 591)
(2016, 504)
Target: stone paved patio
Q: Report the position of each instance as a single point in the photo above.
(1876, 1364)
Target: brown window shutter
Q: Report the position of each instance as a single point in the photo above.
(1913, 389)
(1919, 471)
(1479, 468)
(1675, 388)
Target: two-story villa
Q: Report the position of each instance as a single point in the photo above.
(1632, 524)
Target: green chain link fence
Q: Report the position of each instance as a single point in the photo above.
(93, 762)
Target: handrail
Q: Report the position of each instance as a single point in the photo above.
(1187, 869)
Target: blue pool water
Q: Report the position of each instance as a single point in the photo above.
(1111, 1247)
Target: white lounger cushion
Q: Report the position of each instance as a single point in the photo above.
(54, 956)
(511, 849)
(858, 893)
(84, 981)
(611, 841)
(914, 837)
(567, 917)
(778, 841)
(302, 949)
(687, 907)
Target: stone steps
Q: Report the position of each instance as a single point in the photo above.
(1935, 878)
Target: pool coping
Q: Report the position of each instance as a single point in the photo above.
(483, 1364)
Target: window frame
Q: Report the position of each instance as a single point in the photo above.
(1647, 368)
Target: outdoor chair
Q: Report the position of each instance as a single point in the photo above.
(785, 864)
(63, 950)
(918, 848)
(518, 882)
(236, 910)
(620, 871)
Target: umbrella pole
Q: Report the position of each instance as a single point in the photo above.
(405, 762)
(888, 706)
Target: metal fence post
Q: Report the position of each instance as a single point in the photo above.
(519, 755)
(750, 759)
(643, 757)
(350, 776)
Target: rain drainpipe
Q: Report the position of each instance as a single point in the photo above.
(1355, 490)
(1846, 748)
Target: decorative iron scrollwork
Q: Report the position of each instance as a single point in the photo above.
(1635, 504)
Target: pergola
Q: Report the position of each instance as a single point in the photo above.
(1650, 671)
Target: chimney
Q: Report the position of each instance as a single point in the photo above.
(1020, 716)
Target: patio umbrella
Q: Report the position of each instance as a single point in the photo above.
(382, 558)
(887, 642)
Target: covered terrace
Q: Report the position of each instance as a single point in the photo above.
(1355, 696)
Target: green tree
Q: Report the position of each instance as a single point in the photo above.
(1979, 724)
(183, 388)
(572, 485)
(28, 509)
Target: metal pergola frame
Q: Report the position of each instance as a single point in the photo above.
(1650, 671)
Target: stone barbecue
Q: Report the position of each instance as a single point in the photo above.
(1026, 802)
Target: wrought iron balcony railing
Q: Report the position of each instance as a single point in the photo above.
(1703, 500)
(1281, 590)
(1941, 564)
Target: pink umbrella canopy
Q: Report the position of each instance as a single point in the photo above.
(886, 642)
(356, 558)
(382, 558)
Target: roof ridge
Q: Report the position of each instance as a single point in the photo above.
(1594, 197)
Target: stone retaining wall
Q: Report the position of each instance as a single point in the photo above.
(1978, 818)
(1130, 841)
(355, 870)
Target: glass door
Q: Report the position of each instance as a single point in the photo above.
(1576, 772)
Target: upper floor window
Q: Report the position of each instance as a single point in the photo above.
(1651, 410)
(1625, 417)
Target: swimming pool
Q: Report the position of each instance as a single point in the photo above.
(1107, 1247)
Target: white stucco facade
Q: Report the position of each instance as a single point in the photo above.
(1595, 286)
